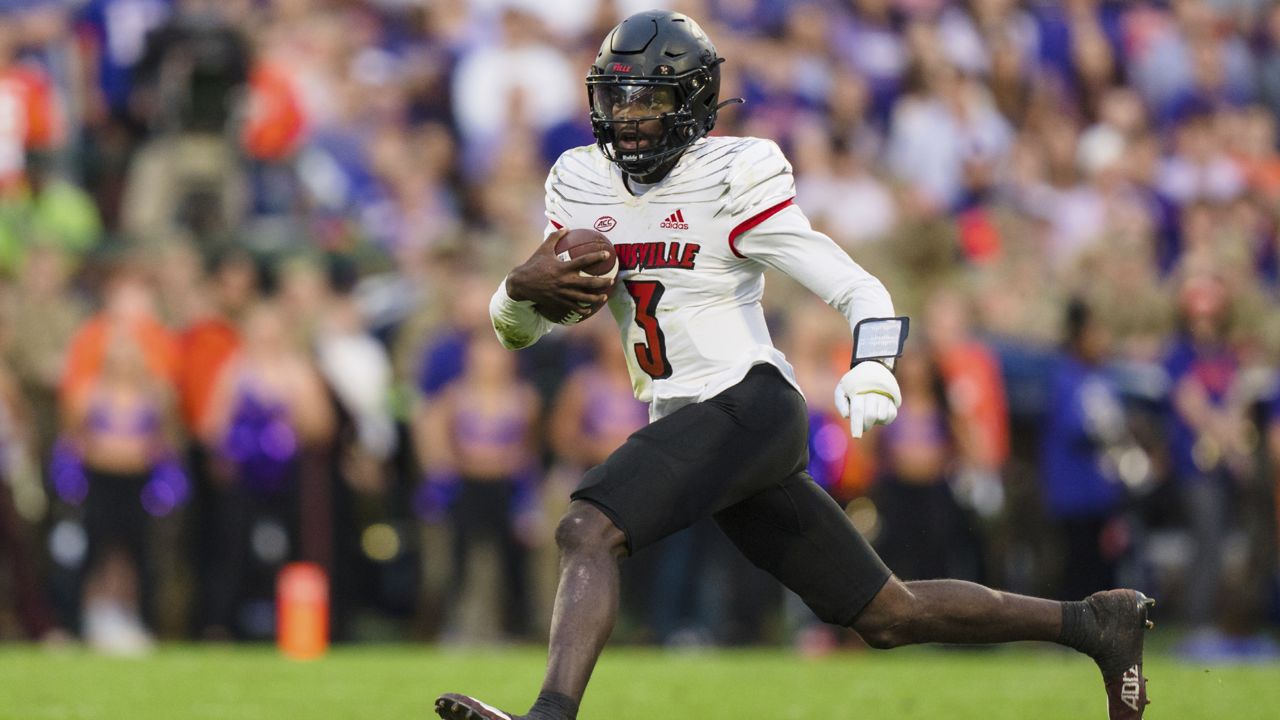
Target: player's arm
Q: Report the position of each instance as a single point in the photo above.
(774, 231)
(516, 322)
(544, 287)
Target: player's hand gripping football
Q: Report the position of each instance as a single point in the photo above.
(556, 286)
(868, 395)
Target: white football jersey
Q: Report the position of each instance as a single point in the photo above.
(692, 251)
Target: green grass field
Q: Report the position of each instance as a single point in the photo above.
(238, 683)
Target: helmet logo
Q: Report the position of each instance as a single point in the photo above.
(605, 223)
(619, 67)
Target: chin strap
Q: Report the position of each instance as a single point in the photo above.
(730, 101)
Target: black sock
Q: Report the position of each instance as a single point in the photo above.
(1079, 627)
(553, 706)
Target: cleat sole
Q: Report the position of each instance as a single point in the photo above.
(453, 711)
(458, 707)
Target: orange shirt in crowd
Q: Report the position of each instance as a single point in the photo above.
(1263, 175)
(29, 119)
(975, 389)
(205, 348)
(88, 349)
(276, 120)
(859, 464)
(979, 236)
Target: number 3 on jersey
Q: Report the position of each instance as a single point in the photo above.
(652, 353)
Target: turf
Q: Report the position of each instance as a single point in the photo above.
(242, 683)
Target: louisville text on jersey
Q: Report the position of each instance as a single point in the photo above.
(655, 255)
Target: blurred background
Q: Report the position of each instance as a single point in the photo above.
(246, 249)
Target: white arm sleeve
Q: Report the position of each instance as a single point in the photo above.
(517, 324)
(785, 241)
(775, 232)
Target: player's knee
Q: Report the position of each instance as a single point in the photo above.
(585, 529)
(888, 621)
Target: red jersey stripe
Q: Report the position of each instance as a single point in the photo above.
(755, 220)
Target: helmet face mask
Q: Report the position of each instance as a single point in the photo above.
(653, 91)
(641, 123)
(613, 101)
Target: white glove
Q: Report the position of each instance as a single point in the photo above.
(868, 395)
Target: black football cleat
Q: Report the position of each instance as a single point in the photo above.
(1122, 624)
(452, 706)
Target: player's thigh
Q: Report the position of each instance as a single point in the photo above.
(796, 532)
(700, 459)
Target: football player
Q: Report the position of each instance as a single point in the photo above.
(695, 221)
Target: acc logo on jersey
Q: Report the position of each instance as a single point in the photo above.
(606, 223)
(675, 221)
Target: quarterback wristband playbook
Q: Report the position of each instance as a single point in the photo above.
(879, 339)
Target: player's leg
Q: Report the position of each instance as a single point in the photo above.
(799, 534)
(586, 603)
(1107, 626)
(664, 478)
(585, 609)
(954, 611)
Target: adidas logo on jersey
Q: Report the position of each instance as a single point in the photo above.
(674, 222)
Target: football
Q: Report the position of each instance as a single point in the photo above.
(577, 243)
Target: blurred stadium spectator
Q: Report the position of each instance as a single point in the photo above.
(481, 449)
(1084, 438)
(22, 500)
(268, 415)
(1208, 435)
(119, 458)
(921, 521)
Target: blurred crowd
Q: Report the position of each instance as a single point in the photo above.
(246, 248)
